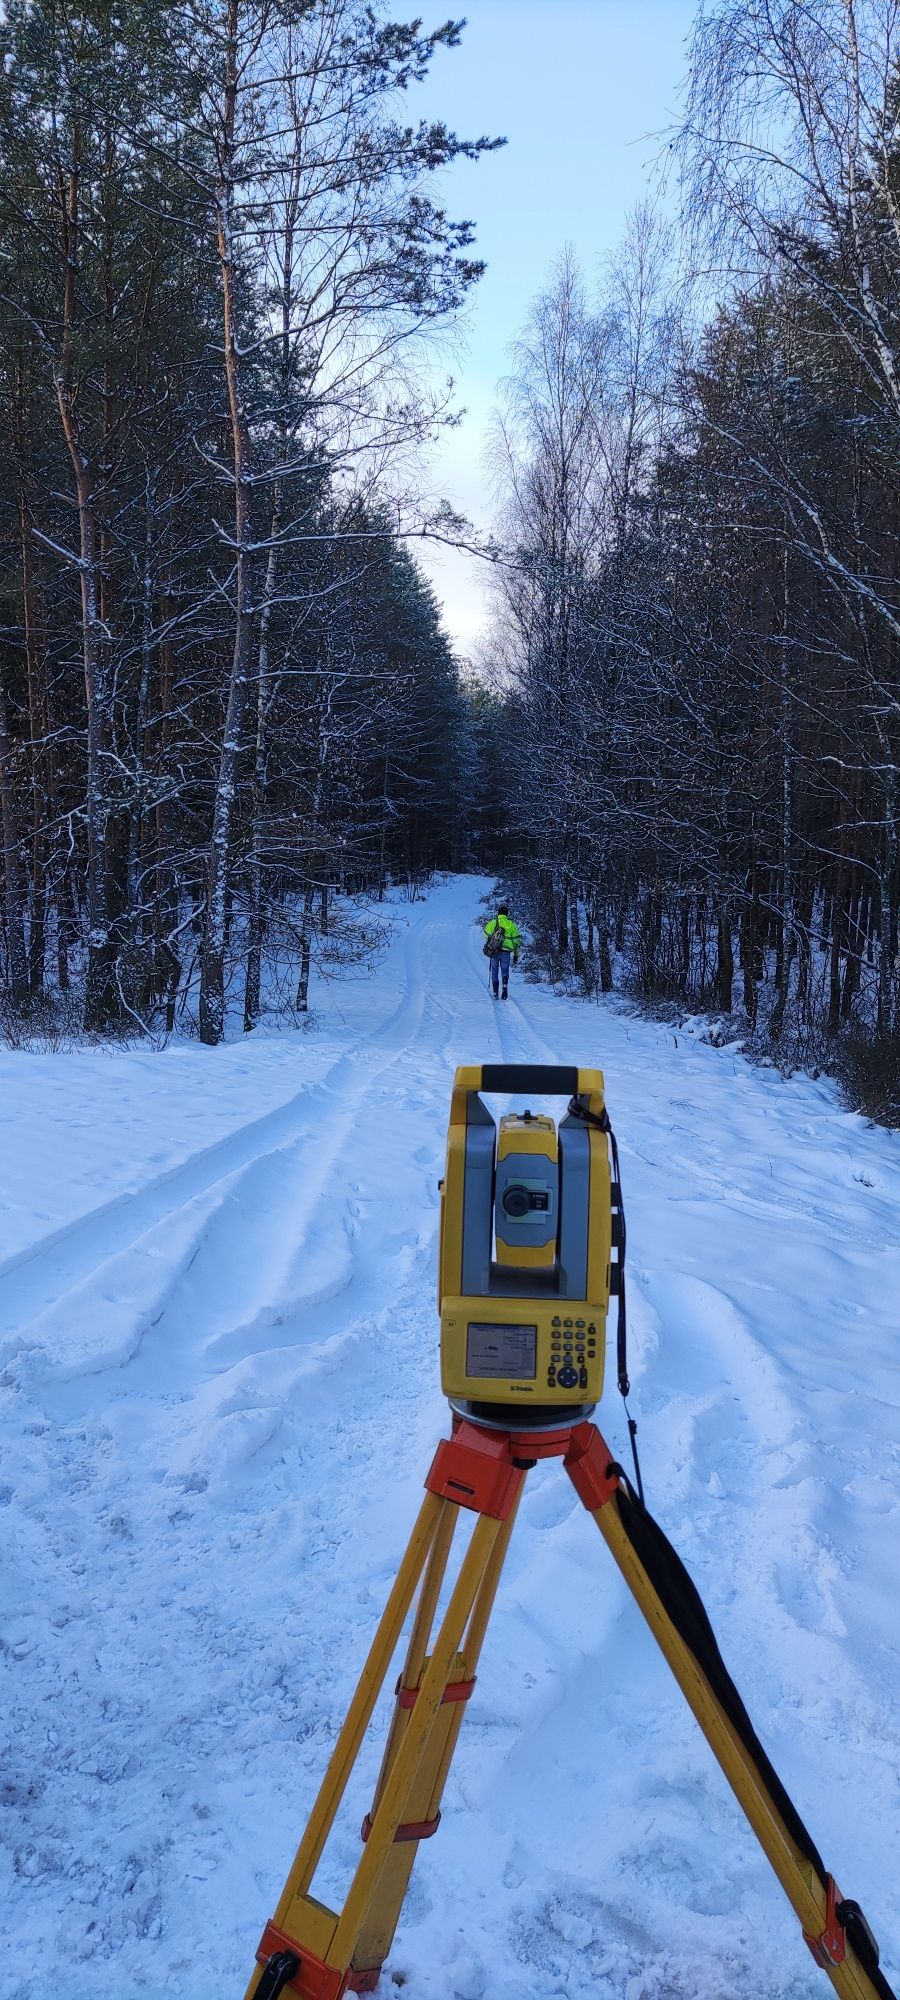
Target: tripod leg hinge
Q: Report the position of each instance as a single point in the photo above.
(592, 1470)
(290, 1968)
(830, 1947)
(475, 1469)
(413, 1829)
(454, 1691)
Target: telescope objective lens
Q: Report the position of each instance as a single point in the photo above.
(516, 1202)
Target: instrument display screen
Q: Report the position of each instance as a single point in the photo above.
(509, 1351)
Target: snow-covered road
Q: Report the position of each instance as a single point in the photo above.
(218, 1400)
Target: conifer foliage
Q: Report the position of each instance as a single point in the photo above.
(223, 683)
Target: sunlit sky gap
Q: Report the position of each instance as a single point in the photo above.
(581, 89)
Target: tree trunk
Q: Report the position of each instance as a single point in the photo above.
(887, 877)
(166, 895)
(600, 914)
(783, 992)
(750, 947)
(212, 955)
(578, 960)
(260, 780)
(725, 965)
(684, 977)
(101, 1005)
(562, 939)
(134, 900)
(305, 949)
(100, 1002)
(13, 879)
(837, 941)
(43, 777)
(854, 953)
(805, 905)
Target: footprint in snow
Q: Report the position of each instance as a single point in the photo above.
(805, 1590)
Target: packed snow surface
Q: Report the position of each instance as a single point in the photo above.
(218, 1345)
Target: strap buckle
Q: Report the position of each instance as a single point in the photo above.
(830, 1947)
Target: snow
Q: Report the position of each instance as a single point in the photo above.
(218, 1346)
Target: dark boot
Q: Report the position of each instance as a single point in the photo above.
(504, 995)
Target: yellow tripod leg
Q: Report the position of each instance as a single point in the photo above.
(392, 1808)
(422, 1809)
(299, 1915)
(416, 1652)
(816, 1903)
(308, 1950)
(319, 1944)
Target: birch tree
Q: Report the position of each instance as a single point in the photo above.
(315, 177)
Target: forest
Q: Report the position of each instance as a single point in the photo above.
(224, 687)
(699, 696)
(226, 697)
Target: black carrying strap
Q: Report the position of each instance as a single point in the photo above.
(577, 1109)
(683, 1605)
(619, 1240)
(282, 1966)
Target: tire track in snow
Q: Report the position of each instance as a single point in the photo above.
(37, 1278)
(119, 1255)
(276, 1257)
(204, 1558)
(720, 1416)
(195, 1437)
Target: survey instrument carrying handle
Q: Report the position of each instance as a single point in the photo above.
(525, 1079)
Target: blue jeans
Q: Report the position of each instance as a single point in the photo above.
(498, 965)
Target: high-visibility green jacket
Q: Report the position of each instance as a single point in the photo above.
(510, 932)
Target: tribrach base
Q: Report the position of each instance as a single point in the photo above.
(317, 1953)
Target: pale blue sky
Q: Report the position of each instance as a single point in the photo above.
(579, 88)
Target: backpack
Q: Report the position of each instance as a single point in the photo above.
(494, 944)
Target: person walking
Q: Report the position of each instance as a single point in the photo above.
(503, 941)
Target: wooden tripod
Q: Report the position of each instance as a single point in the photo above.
(316, 1953)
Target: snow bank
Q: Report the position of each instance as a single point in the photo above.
(219, 1398)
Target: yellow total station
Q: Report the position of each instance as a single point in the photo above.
(525, 1265)
(532, 1243)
